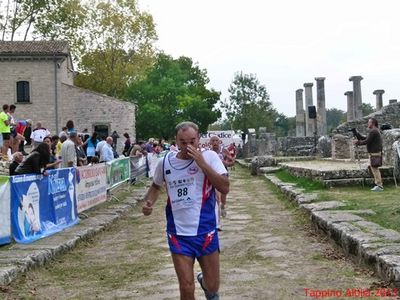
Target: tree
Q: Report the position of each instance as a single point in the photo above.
(119, 46)
(42, 19)
(173, 90)
(334, 117)
(249, 105)
(284, 126)
(367, 109)
(111, 41)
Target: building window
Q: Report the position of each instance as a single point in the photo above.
(23, 93)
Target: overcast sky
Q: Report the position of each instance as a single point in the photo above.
(287, 43)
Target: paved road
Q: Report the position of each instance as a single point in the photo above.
(267, 251)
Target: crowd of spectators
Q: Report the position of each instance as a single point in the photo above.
(70, 148)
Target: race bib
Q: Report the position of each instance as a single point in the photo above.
(182, 192)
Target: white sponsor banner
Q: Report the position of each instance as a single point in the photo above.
(5, 222)
(91, 186)
(226, 138)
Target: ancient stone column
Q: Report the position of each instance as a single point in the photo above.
(357, 96)
(350, 106)
(391, 101)
(300, 116)
(309, 102)
(379, 99)
(321, 112)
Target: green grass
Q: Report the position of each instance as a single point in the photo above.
(307, 184)
(385, 204)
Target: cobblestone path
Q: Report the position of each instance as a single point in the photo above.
(267, 252)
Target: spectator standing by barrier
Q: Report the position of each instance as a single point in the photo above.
(373, 141)
(100, 145)
(191, 177)
(53, 161)
(63, 132)
(15, 137)
(38, 134)
(18, 157)
(21, 128)
(91, 144)
(106, 153)
(5, 131)
(136, 150)
(70, 126)
(35, 161)
(80, 152)
(115, 137)
(68, 152)
(127, 144)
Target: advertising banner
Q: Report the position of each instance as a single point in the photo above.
(5, 223)
(226, 138)
(118, 171)
(42, 205)
(91, 186)
(138, 167)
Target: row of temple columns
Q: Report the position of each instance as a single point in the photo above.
(305, 126)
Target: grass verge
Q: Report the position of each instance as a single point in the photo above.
(386, 204)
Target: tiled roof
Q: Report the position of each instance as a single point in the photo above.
(33, 48)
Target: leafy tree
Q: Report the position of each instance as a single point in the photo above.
(121, 47)
(334, 117)
(249, 105)
(111, 41)
(174, 90)
(42, 19)
(284, 126)
(367, 109)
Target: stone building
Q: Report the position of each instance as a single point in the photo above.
(37, 76)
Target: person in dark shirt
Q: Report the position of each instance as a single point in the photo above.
(17, 159)
(35, 161)
(373, 141)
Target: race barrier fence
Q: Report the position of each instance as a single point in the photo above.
(5, 211)
(42, 205)
(35, 206)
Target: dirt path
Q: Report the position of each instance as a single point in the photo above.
(267, 252)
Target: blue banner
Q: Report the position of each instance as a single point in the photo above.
(5, 223)
(42, 205)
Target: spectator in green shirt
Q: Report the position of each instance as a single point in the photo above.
(5, 131)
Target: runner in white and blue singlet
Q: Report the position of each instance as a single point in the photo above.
(191, 177)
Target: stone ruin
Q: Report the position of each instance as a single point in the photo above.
(311, 141)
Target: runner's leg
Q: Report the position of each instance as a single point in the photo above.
(184, 271)
(210, 267)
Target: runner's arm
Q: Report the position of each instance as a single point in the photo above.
(150, 198)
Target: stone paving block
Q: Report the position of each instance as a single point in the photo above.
(306, 198)
(323, 205)
(387, 234)
(268, 170)
(389, 267)
(8, 273)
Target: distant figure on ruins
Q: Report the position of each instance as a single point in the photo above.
(373, 141)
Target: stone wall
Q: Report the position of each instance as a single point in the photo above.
(40, 75)
(389, 137)
(88, 109)
(388, 115)
(296, 146)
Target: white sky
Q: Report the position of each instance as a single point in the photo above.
(287, 43)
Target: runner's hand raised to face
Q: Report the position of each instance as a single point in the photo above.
(196, 154)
